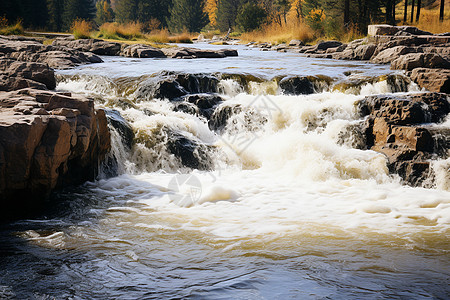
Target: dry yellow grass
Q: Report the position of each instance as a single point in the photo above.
(132, 30)
(163, 36)
(277, 34)
(81, 29)
(429, 17)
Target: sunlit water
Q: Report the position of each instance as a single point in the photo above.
(290, 208)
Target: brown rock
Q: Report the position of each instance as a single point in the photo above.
(142, 51)
(96, 46)
(28, 70)
(419, 60)
(47, 140)
(434, 80)
(395, 129)
(390, 54)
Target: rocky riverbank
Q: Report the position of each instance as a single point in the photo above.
(48, 140)
(424, 57)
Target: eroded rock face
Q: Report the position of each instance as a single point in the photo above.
(434, 80)
(16, 71)
(47, 140)
(397, 128)
(58, 57)
(419, 60)
(95, 46)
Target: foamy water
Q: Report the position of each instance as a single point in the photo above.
(290, 208)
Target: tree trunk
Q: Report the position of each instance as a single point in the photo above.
(393, 13)
(441, 11)
(405, 14)
(419, 3)
(412, 11)
(346, 12)
(389, 12)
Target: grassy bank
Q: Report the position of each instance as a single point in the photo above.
(129, 32)
(14, 29)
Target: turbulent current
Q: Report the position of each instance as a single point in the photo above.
(254, 193)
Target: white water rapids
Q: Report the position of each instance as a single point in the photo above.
(289, 206)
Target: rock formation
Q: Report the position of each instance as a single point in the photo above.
(47, 140)
(398, 126)
(404, 47)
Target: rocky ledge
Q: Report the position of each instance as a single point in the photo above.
(424, 56)
(101, 47)
(47, 140)
(401, 127)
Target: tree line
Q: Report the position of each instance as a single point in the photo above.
(194, 15)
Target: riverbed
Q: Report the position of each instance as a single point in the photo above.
(287, 204)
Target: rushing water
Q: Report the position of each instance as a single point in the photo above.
(288, 206)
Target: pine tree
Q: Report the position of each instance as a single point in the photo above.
(250, 17)
(126, 10)
(55, 10)
(104, 12)
(187, 15)
(77, 9)
(227, 11)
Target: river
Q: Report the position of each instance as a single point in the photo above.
(285, 202)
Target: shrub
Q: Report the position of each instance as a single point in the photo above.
(116, 31)
(81, 29)
(16, 29)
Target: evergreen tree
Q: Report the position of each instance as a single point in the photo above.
(250, 17)
(187, 15)
(126, 10)
(227, 11)
(104, 12)
(55, 10)
(77, 9)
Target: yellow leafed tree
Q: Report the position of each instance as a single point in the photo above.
(211, 10)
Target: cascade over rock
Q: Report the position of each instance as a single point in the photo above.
(397, 128)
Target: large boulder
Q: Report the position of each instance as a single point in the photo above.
(33, 71)
(47, 140)
(296, 43)
(390, 54)
(296, 85)
(141, 51)
(419, 60)
(172, 86)
(434, 80)
(397, 128)
(122, 126)
(383, 29)
(57, 58)
(96, 46)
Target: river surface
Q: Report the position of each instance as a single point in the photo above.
(288, 207)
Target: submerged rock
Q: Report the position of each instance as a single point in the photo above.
(47, 140)
(296, 85)
(172, 86)
(192, 154)
(122, 126)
